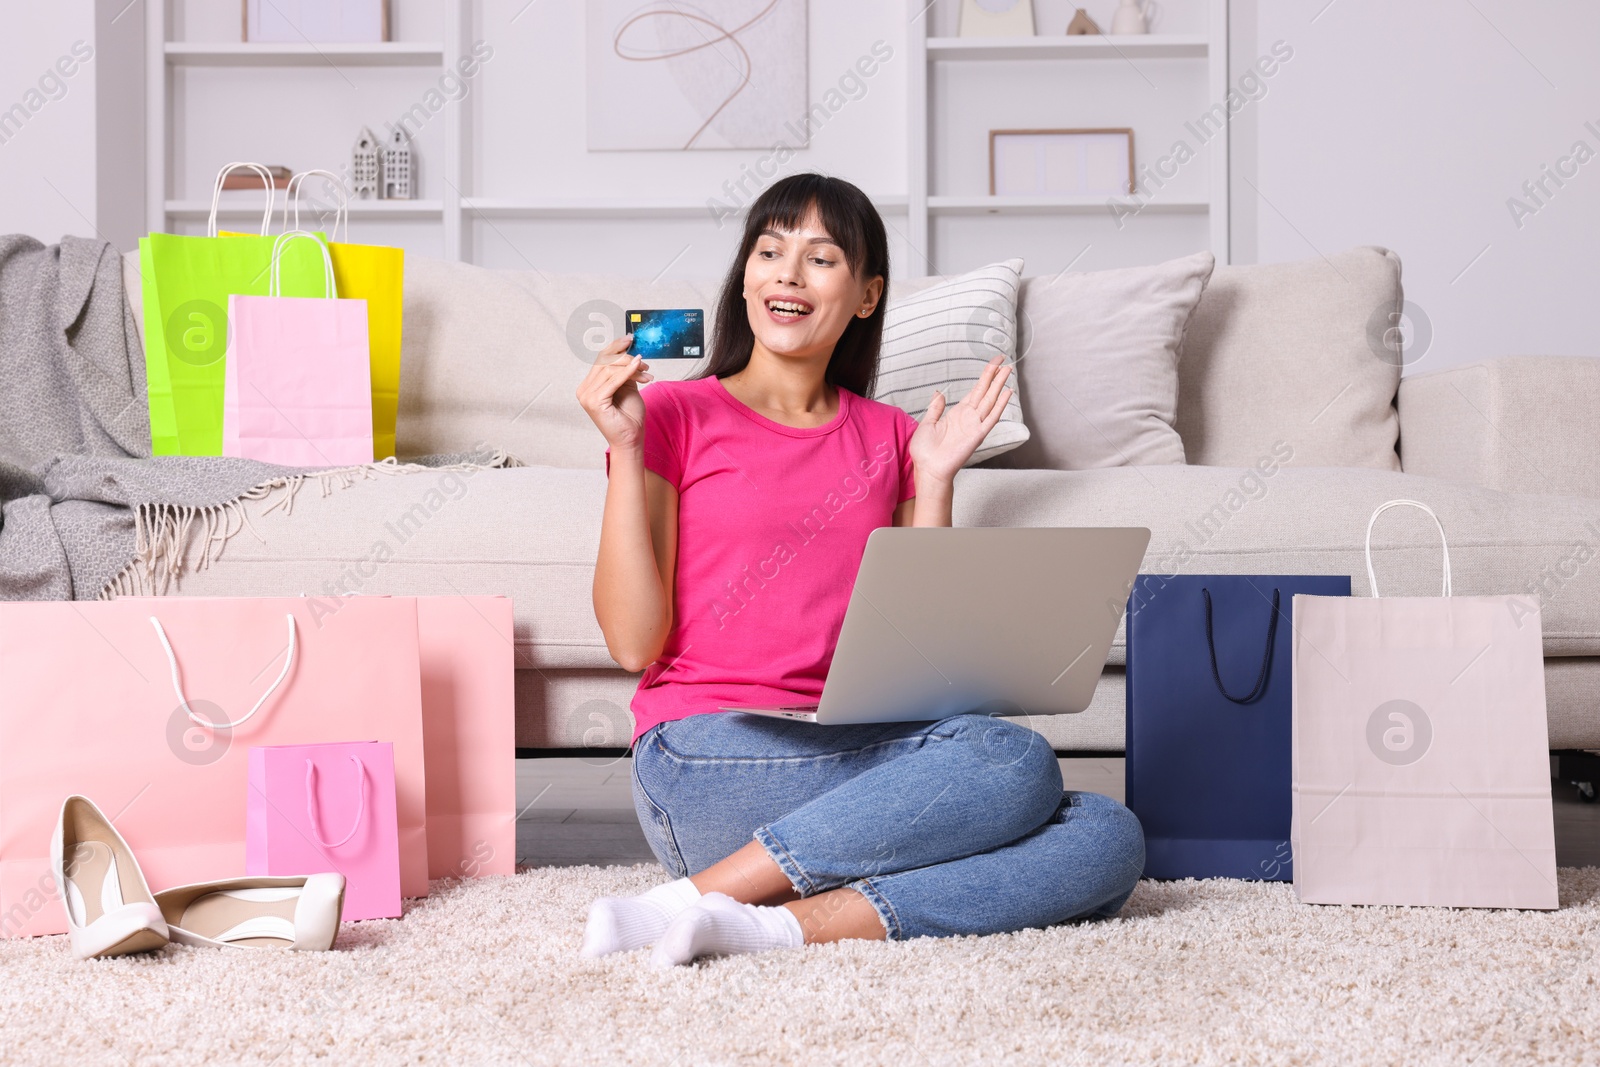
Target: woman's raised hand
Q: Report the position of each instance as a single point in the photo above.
(947, 436)
(610, 393)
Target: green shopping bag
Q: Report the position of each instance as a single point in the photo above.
(187, 282)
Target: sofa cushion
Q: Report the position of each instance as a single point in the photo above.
(1292, 352)
(939, 333)
(1099, 366)
(532, 533)
(494, 357)
(1280, 519)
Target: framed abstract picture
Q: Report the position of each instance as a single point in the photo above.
(715, 74)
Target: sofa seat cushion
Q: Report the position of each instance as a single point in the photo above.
(532, 533)
(1278, 519)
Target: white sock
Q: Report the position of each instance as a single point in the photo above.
(622, 924)
(721, 926)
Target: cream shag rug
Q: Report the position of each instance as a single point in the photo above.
(487, 972)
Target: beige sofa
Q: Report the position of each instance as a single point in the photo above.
(1294, 424)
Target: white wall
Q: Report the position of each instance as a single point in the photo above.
(47, 120)
(1410, 125)
(1406, 125)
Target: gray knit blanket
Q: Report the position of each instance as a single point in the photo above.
(85, 511)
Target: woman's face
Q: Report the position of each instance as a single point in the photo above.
(799, 292)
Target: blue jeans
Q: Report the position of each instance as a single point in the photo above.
(948, 827)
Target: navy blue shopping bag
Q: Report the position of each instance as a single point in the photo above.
(1209, 720)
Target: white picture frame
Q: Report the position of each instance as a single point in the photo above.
(996, 18)
(316, 21)
(1079, 162)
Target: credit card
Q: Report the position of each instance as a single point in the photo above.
(671, 334)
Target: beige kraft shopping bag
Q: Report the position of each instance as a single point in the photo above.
(1421, 771)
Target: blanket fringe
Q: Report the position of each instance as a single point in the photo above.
(166, 534)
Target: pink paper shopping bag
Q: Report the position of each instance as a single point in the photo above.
(149, 706)
(469, 732)
(315, 808)
(1421, 773)
(297, 387)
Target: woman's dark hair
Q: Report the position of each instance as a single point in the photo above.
(853, 223)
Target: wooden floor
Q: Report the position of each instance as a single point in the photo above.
(579, 810)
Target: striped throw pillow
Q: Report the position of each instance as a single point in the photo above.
(939, 332)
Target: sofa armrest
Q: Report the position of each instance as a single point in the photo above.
(1523, 424)
(133, 291)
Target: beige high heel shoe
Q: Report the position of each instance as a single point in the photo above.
(110, 910)
(300, 913)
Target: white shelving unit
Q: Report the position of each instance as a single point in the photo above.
(497, 208)
(191, 210)
(388, 54)
(927, 52)
(936, 206)
(165, 58)
(1149, 46)
(1048, 205)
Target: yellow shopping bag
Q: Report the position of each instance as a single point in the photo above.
(377, 275)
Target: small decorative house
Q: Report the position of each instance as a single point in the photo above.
(364, 171)
(397, 166)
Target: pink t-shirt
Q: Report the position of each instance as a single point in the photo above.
(772, 521)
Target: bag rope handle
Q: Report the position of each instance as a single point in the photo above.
(177, 685)
(311, 803)
(1372, 577)
(341, 213)
(1266, 661)
(330, 289)
(216, 196)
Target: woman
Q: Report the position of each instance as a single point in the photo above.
(736, 513)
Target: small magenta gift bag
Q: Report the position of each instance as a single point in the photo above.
(315, 808)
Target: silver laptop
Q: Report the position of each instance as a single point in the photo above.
(1007, 621)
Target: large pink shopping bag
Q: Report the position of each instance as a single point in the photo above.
(316, 808)
(469, 733)
(297, 388)
(149, 706)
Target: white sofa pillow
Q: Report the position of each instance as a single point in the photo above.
(939, 332)
(1099, 364)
